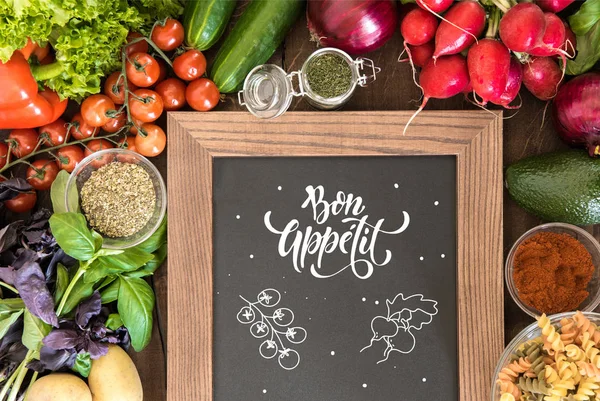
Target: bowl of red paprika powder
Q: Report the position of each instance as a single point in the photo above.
(552, 268)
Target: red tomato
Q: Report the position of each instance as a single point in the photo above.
(146, 105)
(79, 129)
(97, 145)
(128, 143)
(202, 94)
(115, 124)
(42, 174)
(95, 110)
(21, 203)
(53, 134)
(172, 92)
(142, 69)
(190, 65)
(168, 36)
(163, 71)
(114, 87)
(3, 154)
(69, 157)
(136, 123)
(138, 47)
(23, 141)
(151, 141)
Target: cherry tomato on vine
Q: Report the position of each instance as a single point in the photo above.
(3, 154)
(136, 123)
(69, 157)
(190, 65)
(168, 36)
(97, 145)
(22, 203)
(129, 143)
(79, 129)
(202, 94)
(114, 87)
(41, 174)
(142, 69)
(53, 134)
(138, 47)
(146, 105)
(95, 110)
(115, 124)
(163, 71)
(23, 141)
(151, 141)
(172, 92)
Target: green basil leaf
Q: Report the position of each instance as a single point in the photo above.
(135, 305)
(588, 52)
(57, 194)
(149, 268)
(8, 320)
(114, 321)
(131, 259)
(62, 282)
(156, 240)
(584, 19)
(108, 252)
(73, 236)
(97, 241)
(83, 364)
(81, 291)
(110, 293)
(34, 331)
(10, 305)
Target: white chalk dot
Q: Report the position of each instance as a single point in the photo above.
(364, 385)
(310, 318)
(396, 185)
(332, 353)
(217, 292)
(424, 380)
(364, 299)
(395, 367)
(306, 297)
(229, 274)
(285, 292)
(265, 391)
(325, 299)
(283, 276)
(443, 256)
(421, 258)
(237, 217)
(279, 188)
(436, 203)
(251, 256)
(376, 302)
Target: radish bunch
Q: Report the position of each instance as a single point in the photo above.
(523, 44)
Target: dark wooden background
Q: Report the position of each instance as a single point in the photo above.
(527, 131)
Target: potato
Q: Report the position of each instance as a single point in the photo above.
(114, 377)
(59, 387)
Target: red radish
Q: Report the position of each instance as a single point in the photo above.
(446, 77)
(513, 85)
(420, 54)
(468, 15)
(553, 6)
(522, 27)
(541, 77)
(489, 64)
(553, 39)
(570, 44)
(435, 6)
(418, 27)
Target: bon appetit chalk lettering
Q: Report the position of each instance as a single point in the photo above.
(311, 243)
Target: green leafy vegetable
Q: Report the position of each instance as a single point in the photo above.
(110, 293)
(83, 364)
(159, 9)
(73, 235)
(114, 321)
(136, 303)
(149, 268)
(7, 320)
(129, 260)
(62, 281)
(156, 240)
(10, 305)
(584, 19)
(81, 291)
(588, 52)
(34, 331)
(57, 194)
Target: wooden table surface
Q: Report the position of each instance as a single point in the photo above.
(526, 133)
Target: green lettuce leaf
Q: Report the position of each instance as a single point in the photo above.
(584, 19)
(159, 9)
(588, 52)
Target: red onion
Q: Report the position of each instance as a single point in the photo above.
(355, 26)
(576, 112)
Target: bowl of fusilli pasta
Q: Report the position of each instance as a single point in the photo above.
(555, 359)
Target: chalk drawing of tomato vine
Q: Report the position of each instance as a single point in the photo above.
(396, 328)
(275, 326)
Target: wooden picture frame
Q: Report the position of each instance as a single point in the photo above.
(195, 139)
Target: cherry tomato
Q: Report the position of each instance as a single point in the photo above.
(138, 47)
(129, 143)
(3, 154)
(53, 134)
(69, 157)
(21, 203)
(115, 124)
(113, 87)
(23, 141)
(79, 129)
(202, 94)
(95, 110)
(146, 105)
(142, 69)
(97, 145)
(42, 174)
(172, 92)
(168, 36)
(163, 71)
(190, 65)
(136, 123)
(151, 141)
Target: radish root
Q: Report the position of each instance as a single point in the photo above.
(414, 115)
(412, 65)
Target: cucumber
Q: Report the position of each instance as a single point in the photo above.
(205, 21)
(253, 40)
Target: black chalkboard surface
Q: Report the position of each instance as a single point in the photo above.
(335, 279)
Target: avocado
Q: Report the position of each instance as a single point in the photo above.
(561, 186)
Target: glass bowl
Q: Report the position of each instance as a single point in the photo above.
(529, 333)
(93, 162)
(590, 243)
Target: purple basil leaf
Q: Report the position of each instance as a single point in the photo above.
(88, 309)
(7, 274)
(31, 284)
(13, 187)
(98, 330)
(34, 236)
(52, 359)
(15, 353)
(9, 235)
(97, 349)
(63, 339)
(39, 220)
(13, 335)
(24, 256)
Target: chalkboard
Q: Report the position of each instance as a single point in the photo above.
(334, 279)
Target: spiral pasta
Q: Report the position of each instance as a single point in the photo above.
(568, 331)
(509, 387)
(534, 386)
(585, 326)
(575, 353)
(550, 334)
(586, 389)
(589, 370)
(513, 369)
(507, 397)
(560, 389)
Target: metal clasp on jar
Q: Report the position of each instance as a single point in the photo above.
(363, 63)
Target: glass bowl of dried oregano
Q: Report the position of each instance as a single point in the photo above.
(121, 194)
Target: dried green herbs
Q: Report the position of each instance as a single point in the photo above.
(118, 199)
(329, 76)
